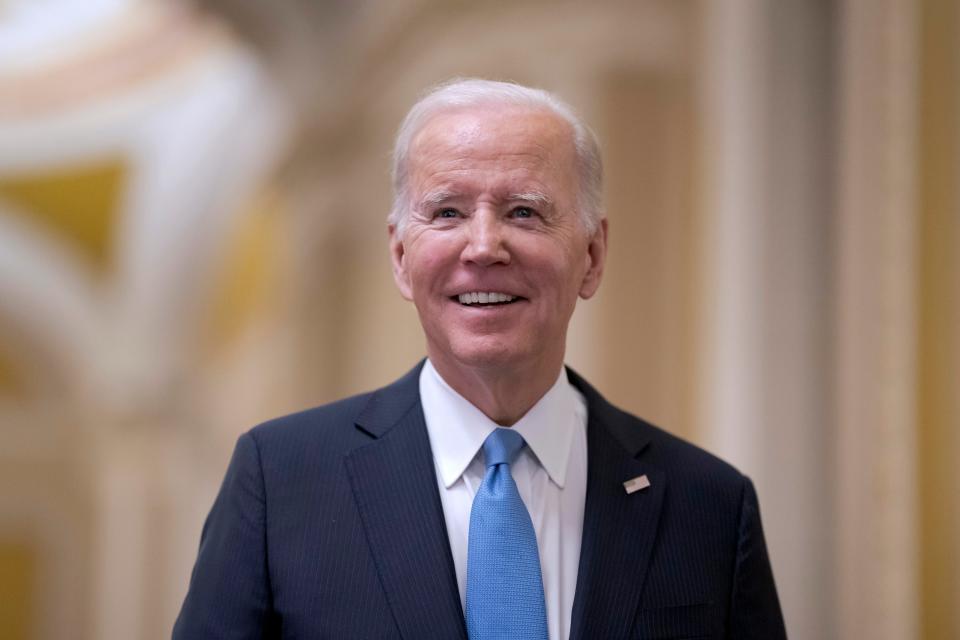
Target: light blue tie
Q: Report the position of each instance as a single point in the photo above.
(504, 586)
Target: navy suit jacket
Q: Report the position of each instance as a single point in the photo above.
(329, 525)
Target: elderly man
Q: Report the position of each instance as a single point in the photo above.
(490, 492)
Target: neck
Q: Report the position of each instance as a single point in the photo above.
(503, 394)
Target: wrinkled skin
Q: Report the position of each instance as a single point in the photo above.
(493, 195)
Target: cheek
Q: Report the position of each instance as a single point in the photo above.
(559, 268)
(429, 268)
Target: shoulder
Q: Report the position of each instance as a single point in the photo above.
(685, 459)
(306, 441)
(684, 463)
(703, 492)
(322, 420)
(335, 428)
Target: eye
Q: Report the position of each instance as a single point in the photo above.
(522, 212)
(446, 213)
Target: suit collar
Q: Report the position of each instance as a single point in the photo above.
(388, 406)
(623, 427)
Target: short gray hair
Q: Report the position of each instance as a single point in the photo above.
(471, 92)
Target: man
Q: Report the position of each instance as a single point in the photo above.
(490, 492)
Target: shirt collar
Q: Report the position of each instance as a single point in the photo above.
(457, 429)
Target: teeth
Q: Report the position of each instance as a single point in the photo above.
(484, 297)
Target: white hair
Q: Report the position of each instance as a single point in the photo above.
(471, 92)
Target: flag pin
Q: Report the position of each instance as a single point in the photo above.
(636, 484)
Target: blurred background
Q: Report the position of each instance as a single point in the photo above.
(192, 239)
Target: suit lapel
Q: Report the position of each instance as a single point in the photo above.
(619, 529)
(395, 488)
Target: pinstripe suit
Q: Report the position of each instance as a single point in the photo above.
(329, 525)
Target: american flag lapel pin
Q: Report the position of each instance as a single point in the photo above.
(636, 484)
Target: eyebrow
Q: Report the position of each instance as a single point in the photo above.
(436, 198)
(534, 197)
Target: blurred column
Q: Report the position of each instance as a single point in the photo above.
(767, 117)
(736, 45)
(877, 322)
(938, 324)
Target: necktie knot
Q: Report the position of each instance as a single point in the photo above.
(502, 446)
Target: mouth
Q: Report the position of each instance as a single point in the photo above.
(485, 299)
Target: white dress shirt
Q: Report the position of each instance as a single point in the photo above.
(550, 472)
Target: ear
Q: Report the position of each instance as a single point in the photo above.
(397, 254)
(596, 258)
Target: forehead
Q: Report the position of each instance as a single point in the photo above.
(509, 142)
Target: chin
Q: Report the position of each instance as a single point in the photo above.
(489, 354)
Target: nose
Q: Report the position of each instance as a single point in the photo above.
(485, 241)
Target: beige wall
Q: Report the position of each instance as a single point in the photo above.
(193, 240)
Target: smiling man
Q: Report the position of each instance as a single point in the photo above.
(490, 492)
(494, 250)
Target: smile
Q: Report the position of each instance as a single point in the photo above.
(485, 297)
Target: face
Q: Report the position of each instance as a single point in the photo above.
(494, 254)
